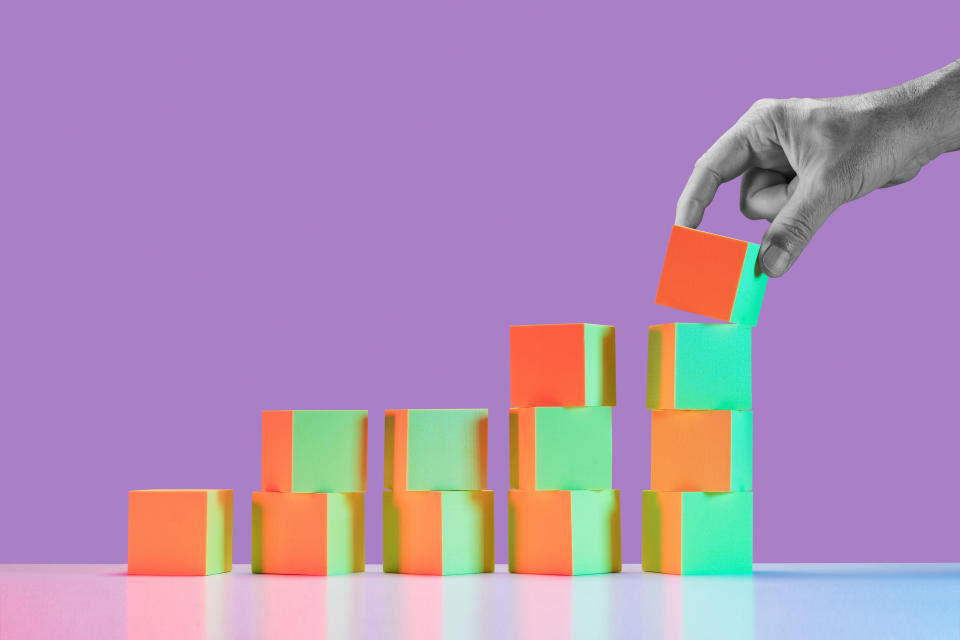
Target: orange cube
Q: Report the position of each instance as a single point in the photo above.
(180, 532)
(562, 365)
(712, 275)
(701, 451)
(307, 533)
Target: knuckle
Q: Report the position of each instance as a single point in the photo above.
(794, 234)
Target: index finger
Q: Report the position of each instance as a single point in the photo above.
(725, 160)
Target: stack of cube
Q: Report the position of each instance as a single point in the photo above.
(437, 511)
(564, 514)
(308, 519)
(698, 515)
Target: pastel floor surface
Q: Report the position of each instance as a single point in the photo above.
(778, 601)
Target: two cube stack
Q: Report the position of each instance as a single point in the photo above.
(437, 510)
(698, 514)
(564, 514)
(308, 518)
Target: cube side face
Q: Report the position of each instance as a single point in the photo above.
(701, 273)
(446, 450)
(600, 365)
(413, 532)
(395, 449)
(752, 286)
(547, 367)
(329, 451)
(523, 447)
(574, 448)
(717, 533)
(661, 366)
(691, 450)
(713, 367)
(467, 522)
(289, 533)
(541, 532)
(167, 533)
(219, 552)
(741, 451)
(595, 531)
(345, 533)
(277, 451)
(661, 531)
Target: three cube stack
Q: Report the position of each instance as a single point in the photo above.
(564, 514)
(437, 511)
(308, 519)
(698, 514)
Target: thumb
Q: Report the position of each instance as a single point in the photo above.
(793, 228)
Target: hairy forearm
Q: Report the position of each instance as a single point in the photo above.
(933, 102)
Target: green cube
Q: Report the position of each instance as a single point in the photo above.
(556, 448)
(435, 450)
(699, 366)
(314, 451)
(693, 532)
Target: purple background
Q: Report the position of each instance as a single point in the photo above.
(211, 209)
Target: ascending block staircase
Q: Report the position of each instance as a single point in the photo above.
(698, 513)
(437, 511)
(308, 519)
(564, 515)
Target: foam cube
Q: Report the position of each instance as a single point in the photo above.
(307, 533)
(180, 532)
(695, 532)
(562, 365)
(699, 366)
(701, 451)
(564, 532)
(712, 275)
(437, 532)
(561, 448)
(435, 450)
(312, 451)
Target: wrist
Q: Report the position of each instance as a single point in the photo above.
(933, 105)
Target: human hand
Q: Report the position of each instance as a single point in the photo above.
(802, 158)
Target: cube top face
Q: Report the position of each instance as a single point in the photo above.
(435, 449)
(699, 366)
(697, 532)
(701, 451)
(307, 533)
(562, 365)
(564, 532)
(180, 532)
(561, 448)
(314, 451)
(438, 532)
(712, 275)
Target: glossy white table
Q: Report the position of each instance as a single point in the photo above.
(778, 601)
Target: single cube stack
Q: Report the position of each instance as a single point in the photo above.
(698, 513)
(308, 518)
(564, 514)
(437, 511)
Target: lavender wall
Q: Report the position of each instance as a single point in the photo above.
(210, 209)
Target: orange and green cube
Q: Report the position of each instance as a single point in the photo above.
(307, 533)
(437, 532)
(435, 450)
(701, 450)
(699, 366)
(180, 532)
(712, 275)
(564, 532)
(313, 451)
(563, 365)
(561, 448)
(692, 532)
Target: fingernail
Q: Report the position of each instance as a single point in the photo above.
(775, 260)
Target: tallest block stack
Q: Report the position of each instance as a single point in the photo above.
(698, 515)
